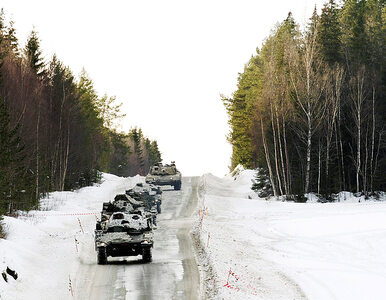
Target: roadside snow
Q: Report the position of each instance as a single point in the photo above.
(258, 249)
(46, 247)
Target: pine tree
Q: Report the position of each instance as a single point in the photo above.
(329, 33)
(12, 39)
(240, 108)
(11, 157)
(119, 158)
(354, 39)
(261, 184)
(313, 23)
(33, 53)
(88, 100)
(96, 138)
(154, 153)
(137, 138)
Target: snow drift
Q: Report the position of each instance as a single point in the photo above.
(46, 247)
(259, 249)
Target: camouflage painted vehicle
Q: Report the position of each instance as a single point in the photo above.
(164, 175)
(124, 235)
(121, 202)
(150, 195)
(126, 204)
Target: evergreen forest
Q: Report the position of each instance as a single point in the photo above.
(56, 133)
(309, 109)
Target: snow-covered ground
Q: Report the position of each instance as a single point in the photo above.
(258, 249)
(46, 247)
(250, 247)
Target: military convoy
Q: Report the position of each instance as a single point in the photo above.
(126, 224)
(150, 195)
(160, 174)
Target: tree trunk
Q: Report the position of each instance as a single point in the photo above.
(37, 155)
(275, 152)
(365, 164)
(65, 160)
(358, 107)
(338, 158)
(60, 141)
(319, 167)
(379, 147)
(281, 152)
(341, 152)
(271, 178)
(358, 162)
(308, 159)
(286, 159)
(372, 142)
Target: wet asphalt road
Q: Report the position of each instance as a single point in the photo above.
(173, 273)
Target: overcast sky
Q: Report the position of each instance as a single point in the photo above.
(167, 61)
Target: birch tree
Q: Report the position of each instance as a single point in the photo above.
(308, 81)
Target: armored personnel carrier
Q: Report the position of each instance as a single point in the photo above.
(124, 235)
(126, 204)
(148, 194)
(164, 175)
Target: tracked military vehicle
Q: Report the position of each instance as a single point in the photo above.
(160, 174)
(124, 235)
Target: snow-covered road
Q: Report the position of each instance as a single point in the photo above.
(172, 273)
(42, 249)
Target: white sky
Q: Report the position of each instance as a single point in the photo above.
(167, 61)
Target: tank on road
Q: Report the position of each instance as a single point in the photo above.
(160, 174)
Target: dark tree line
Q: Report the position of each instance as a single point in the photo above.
(56, 133)
(309, 110)
(143, 154)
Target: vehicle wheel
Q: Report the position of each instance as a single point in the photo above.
(102, 256)
(146, 255)
(177, 186)
(158, 207)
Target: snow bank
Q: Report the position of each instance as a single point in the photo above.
(46, 247)
(238, 186)
(258, 249)
(348, 197)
